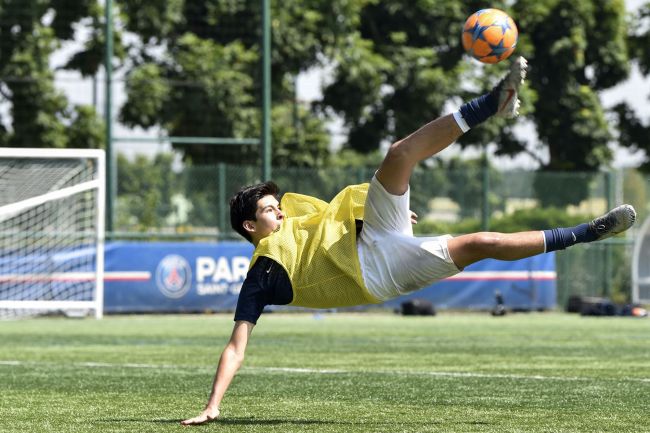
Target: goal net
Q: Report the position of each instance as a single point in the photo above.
(51, 231)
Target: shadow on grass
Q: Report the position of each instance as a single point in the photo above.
(227, 421)
(143, 420)
(253, 421)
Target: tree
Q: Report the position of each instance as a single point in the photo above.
(396, 70)
(576, 49)
(205, 83)
(40, 115)
(633, 132)
(145, 189)
(193, 70)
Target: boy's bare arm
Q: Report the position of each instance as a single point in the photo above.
(230, 361)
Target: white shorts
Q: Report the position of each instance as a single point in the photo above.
(393, 261)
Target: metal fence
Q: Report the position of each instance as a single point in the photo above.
(195, 198)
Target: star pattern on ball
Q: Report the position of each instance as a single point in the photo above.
(477, 31)
(503, 23)
(498, 50)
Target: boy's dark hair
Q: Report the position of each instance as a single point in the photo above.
(243, 205)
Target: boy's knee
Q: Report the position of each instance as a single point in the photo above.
(398, 151)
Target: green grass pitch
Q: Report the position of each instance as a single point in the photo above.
(547, 372)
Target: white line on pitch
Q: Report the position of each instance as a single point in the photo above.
(255, 370)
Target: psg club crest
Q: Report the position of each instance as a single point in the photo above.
(173, 276)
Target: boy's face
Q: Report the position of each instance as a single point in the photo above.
(268, 218)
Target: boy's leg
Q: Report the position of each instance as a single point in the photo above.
(467, 249)
(395, 171)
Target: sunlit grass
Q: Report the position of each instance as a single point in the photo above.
(330, 373)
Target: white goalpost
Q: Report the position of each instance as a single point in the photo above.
(51, 231)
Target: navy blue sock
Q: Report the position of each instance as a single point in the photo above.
(479, 109)
(560, 238)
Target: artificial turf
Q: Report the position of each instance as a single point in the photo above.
(541, 372)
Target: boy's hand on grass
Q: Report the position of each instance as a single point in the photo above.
(206, 416)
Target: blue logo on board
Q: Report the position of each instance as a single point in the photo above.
(173, 276)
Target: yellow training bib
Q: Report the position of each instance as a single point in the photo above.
(316, 244)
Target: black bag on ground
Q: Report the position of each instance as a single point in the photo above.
(597, 307)
(418, 307)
